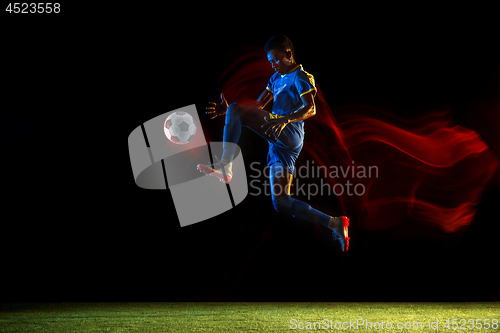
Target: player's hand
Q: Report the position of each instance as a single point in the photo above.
(217, 109)
(273, 128)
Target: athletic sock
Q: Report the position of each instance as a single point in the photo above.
(232, 132)
(300, 210)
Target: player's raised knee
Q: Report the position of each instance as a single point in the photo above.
(234, 107)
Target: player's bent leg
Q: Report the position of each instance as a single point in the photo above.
(303, 211)
(232, 131)
(283, 202)
(236, 116)
(300, 210)
(281, 180)
(253, 118)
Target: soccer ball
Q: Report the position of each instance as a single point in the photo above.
(180, 127)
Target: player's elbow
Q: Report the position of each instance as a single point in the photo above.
(312, 111)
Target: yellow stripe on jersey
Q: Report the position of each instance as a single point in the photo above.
(306, 92)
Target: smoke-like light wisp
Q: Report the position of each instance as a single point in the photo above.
(429, 169)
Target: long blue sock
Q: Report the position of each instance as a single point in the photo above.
(232, 131)
(300, 210)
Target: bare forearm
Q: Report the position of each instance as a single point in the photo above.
(306, 112)
(261, 104)
(264, 99)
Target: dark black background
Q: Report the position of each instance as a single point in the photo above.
(76, 227)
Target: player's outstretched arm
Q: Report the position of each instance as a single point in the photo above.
(217, 109)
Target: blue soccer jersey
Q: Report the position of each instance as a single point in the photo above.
(287, 90)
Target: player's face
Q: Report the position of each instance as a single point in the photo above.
(280, 61)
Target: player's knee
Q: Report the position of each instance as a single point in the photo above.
(233, 108)
(284, 204)
(278, 205)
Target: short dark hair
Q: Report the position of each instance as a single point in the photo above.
(279, 42)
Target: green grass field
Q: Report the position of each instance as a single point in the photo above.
(248, 317)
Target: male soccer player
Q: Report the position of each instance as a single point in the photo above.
(292, 90)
